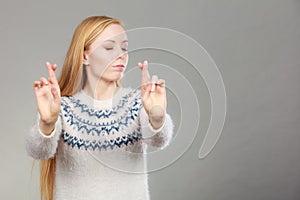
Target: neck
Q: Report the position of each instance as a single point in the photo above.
(101, 89)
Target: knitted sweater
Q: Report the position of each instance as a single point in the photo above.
(100, 147)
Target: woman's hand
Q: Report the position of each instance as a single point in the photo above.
(47, 93)
(153, 93)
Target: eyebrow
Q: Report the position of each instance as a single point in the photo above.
(115, 41)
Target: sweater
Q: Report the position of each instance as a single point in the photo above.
(100, 146)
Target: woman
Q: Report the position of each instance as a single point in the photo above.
(88, 125)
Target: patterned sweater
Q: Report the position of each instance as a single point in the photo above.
(100, 147)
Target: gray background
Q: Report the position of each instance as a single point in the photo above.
(256, 46)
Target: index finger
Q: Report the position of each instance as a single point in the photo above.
(51, 72)
(145, 72)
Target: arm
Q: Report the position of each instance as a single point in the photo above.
(160, 137)
(41, 146)
(158, 130)
(41, 143)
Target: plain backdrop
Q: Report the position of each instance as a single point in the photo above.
(255, 45)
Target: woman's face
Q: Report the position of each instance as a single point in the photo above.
(107, 57)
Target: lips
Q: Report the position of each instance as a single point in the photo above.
(119, 66)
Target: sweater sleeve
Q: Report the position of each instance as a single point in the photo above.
(159, 138)
(40, 146)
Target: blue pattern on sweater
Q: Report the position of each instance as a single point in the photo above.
(74, 141)
(128, 111)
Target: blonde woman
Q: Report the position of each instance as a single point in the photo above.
(91, 133)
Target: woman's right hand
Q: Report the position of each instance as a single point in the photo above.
(47, 94)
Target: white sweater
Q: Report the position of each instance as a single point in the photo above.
(100, 147)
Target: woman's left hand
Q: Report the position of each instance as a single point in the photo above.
(153, 93)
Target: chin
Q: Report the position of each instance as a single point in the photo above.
(118, 77)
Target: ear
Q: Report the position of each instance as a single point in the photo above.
(85, 58)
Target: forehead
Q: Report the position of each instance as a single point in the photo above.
(112, 32)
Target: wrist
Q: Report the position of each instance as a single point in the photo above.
(156, 116)
(46, 128)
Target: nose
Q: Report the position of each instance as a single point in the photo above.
(121, 54)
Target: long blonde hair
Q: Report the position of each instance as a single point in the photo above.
(72, 79)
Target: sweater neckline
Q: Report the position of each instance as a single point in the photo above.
(100, 104)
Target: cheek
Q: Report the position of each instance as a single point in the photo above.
(100, 60)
